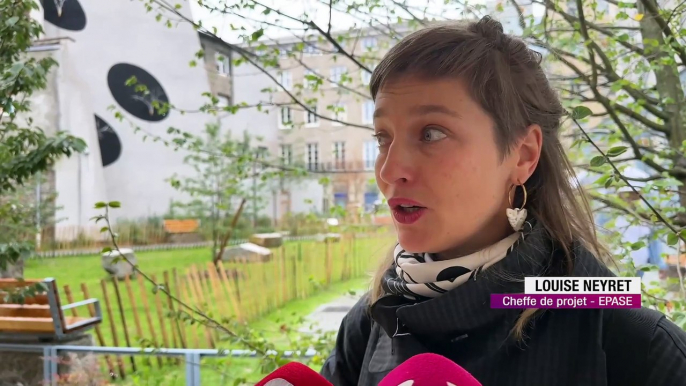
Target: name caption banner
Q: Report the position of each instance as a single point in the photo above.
(583, 285)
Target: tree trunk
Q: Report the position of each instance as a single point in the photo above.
(13, 271)
(669, 88)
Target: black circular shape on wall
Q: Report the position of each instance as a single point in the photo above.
(72, 18)
(135, 101)
(110, 145)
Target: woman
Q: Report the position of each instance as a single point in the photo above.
(479, 186)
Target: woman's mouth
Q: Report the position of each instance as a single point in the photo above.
(406, 211)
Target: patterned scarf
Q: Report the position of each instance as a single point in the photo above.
(419, 275)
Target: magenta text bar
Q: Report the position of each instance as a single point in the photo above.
(565, 301)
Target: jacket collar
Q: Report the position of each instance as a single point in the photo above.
(466, 309)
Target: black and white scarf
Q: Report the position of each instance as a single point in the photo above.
(419, 275)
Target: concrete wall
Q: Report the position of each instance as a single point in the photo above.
(221, 84)
(64, 105)
(123, 32)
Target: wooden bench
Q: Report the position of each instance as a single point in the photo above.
(181, 226)
(42, 315)
(182, 231)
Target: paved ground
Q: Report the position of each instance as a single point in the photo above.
(328, 316)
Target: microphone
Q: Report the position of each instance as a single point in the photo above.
(294, 374)
(429, 370)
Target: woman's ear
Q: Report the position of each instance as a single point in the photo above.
(528, 153)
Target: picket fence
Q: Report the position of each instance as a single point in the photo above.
(137, 315)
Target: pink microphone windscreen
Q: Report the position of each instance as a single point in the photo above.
(294, 374)
(429, 370)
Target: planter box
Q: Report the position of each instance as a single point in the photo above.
(267, 240)
(247, 253)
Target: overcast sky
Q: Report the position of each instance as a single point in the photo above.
(317, 10)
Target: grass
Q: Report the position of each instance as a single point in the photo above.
(298, 271)
(225, 371)
(75, 270)
(302, 276)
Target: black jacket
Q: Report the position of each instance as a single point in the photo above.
(585, 347)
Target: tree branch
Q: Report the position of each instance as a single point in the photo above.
(328, 30)
(247, 56)
(587, 43)
(326, 35)
(674, 43)
(571, 20)
(645, 201)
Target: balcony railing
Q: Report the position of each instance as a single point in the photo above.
(192, 357)
(340, 166)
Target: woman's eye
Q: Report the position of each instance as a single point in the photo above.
(381, 139)
(431, 134)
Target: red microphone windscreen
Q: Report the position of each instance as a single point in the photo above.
(429, 370)
(294, 374)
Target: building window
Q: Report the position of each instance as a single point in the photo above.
(312, 156)
(371, 151)
(369, 43)
(339, 155)
(286, 154)
(222, 63)
(340, 113)
(285, 118)
(261, 154)
(367, 76)
(311, 48)
(368, 112)
(284, 50)
(337, 75)
(311, 117)
(286, 80)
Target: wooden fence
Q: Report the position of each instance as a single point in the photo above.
(137, 315)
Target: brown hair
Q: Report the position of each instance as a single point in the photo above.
(506, 78)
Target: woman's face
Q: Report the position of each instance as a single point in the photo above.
(440, 168)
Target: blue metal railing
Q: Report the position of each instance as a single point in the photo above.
(192, 357)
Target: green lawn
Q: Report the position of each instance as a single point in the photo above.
(275, 294)
(75, 270)
(225, 371)
(297, 272)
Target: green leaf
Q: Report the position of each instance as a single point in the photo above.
(638, 245)
(12, 21)
(257, 34)
(648, 267)
(672, 239)
(598, 161)
(114, 204)
(131, 81)
(104, 229)
(623, 37)
(581, 112)
(100, 205)
(106, 250)
(617, 150)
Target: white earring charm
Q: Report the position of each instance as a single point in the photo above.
(516, 216)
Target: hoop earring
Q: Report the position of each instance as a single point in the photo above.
(516, 216)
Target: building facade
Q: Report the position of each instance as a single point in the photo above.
(102, 47)
(328, 131)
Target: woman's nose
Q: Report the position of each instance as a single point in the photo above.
(396, 165)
